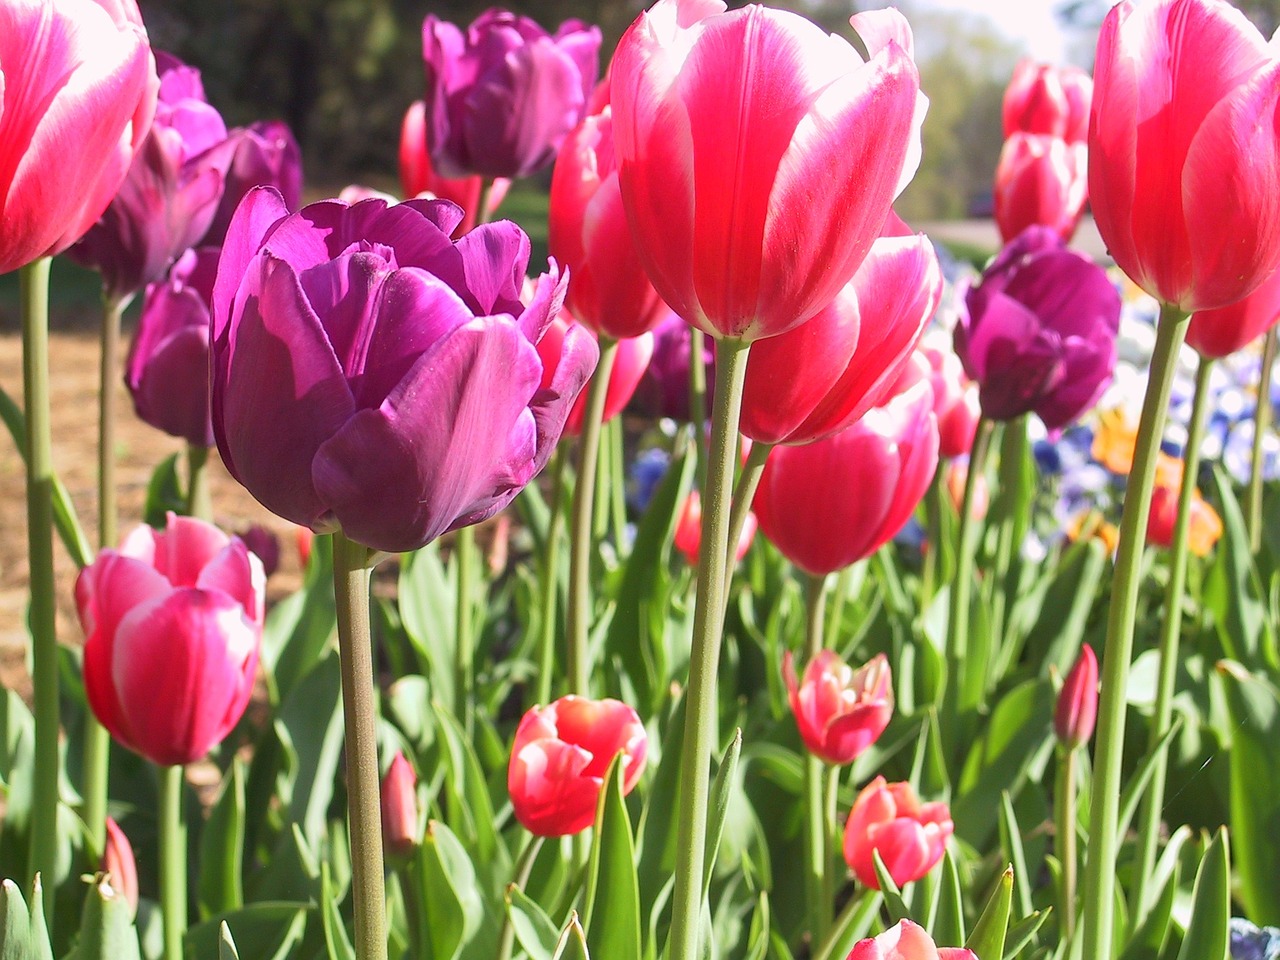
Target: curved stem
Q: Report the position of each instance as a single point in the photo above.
(704, 662)
(1153, 801)
(551, 579)
(958, 667)
(524, 867)
(199, 498)
(1098, 904)
(34, 292)
(743, 493)
(173, 862)
(464, 555)
(580, 523)
(698, 402)
(1065, 846)
(355, 649)
(1261, 426)
(817, 833)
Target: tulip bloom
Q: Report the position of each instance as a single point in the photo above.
(119, 863)
(171, 193)
(418, 179)
(173, 623)
(502, 97)
(955, 399)
(909, 835)
(1184, 150)
(1076, 711)
(263, 154)
(830, 503)
(560, 756)
(1040, 180)
(629, 364)
(77, 93)
(1038, 332)
(663, 391)
(372, 375)
(825, 374)
(906, 941)
(758, 156)
(168, 369)
(839, 711)
(399, 806)
(1218, 333)
(1048, 100)
(688, 533)
(1205, 526)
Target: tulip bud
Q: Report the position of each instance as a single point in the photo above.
(399, 806)
(1077, 707)
(889, 819)
(303, 538)
(839, 711)
(119, 863)
(1048, 100)
(265, 154)
(906, 941)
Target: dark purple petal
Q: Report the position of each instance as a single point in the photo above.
(343, 293)
(172, 393)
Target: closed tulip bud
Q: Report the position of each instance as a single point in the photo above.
(419, 179)
(1077, 707)
(560, 757)
(758, 156)
(78, 91)
(1218, 333)
(371, 375)
(263, 154)
(1184, 150)
(502, 96)
(1040, 180)
(840, 711)
(173, 624)
(830, 503)
(910, 836)
(906, 941)
(120, 865)
(629, 364)
(1038, 332)
(399, 802)
(1047, 100)
(663, 391)
(688, 534)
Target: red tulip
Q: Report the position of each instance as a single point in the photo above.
(1048, 100)
(399, 804)
(840, 711)
(173, 621)
(758, 156)
(1217, 333)
(78, 90)
(825, 374)
(906, 941)
(688, 536)
(1205, 526)
(910, 836)
(1076, 711)
(588, 233)
(1184, 150)
(560, 756)
(629, 364)
(119, 863)
(1040, 180)
(830, 503)
(417, 176)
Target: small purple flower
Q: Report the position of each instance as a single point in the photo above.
(1250, 943)
(265, 155)
(501, 97)
(171, 192)
(1038, 332)
(373, 375)
(664, 389)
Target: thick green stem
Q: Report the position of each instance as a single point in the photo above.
(199, 497)
(524, 867)
(818, 834)
(173, 862)
(1261, 427)
(34, 292)
(698, 402)
(958, 666)
(551, 579)
(1098, 904)
(359, 709)
(580, 522)
(1153, 802)
(743, 493)
(464, 556)
(704, 663)
(1064, 809)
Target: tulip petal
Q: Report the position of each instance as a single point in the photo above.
(551, 795)
(185, 546)
(238, 573)
(260, 210)
(170, 395)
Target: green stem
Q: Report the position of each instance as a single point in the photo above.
(359, 709)
(618, 489)
(1013, 451)
(580, 522)
(1153, 801)
(698, 402)
(704, 663)
(199, 498)
(173, 862)
(1065, 847)
(817, 834)
(464, 555)
(958, 667)
(933, 544)
(743, 493)
(1261, 427)
(551, 579)
(843, 587)
(1098, 904)
(524, 867)
(34, 292)
(857, 914)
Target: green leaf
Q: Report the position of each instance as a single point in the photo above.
(1020, 933)
(657, 826)
(336, 941)
(222, 847)
(1011, 843)
(573, 942)
(450, 898)
(852, 925)
(1208, 934)
(226, 944)
(270, 930)
(1149, 939)
(893, 902)
(299, 628)
(428, 602)
(312, 717)
(612, 917)
(535, 931)
(988, 936)
(721, 794)
(470, 810)
(1234, 590)
(1054, 640)
(948, 923)
(164, 493)
(106, 926)
(1137, 784)
(22, 932)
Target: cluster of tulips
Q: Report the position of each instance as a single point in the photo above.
(723, 251)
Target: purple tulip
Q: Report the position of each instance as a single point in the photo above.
(501, 97)
(266, 154)
(170, 194)
(663, 391)
(168, 369)
(1038, 332)
(373, 375)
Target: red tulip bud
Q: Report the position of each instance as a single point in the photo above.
(120, 865)
(399, 806)
(1077, 708)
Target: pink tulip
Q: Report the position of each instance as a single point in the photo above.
(910, 836)
(1076, 711)
(173, 623)
(588, 234)
(758, 156)
(825, 374)
(830, 503)
(955, 397)
(399, 805)
(1217, 333)
(119, 863)
(78, 90)
(560, 756)
(1048, 100)
(1040, 180)
(688, 535)
(906, 941)
(629, 364)
(418, 178)
(1184, 150)
(840, 711)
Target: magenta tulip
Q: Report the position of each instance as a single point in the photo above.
(371, 374)
(1218, 333)
(629, 364)
(889, 819)
(502, 96)
(1049, 101)
(419, 179)
(77, 93)
(173, 623)
(263, 154)
(906, 941)
(1184, 150)
(758, 156)
(839, 711)
(1040, 180)
(955, 398)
